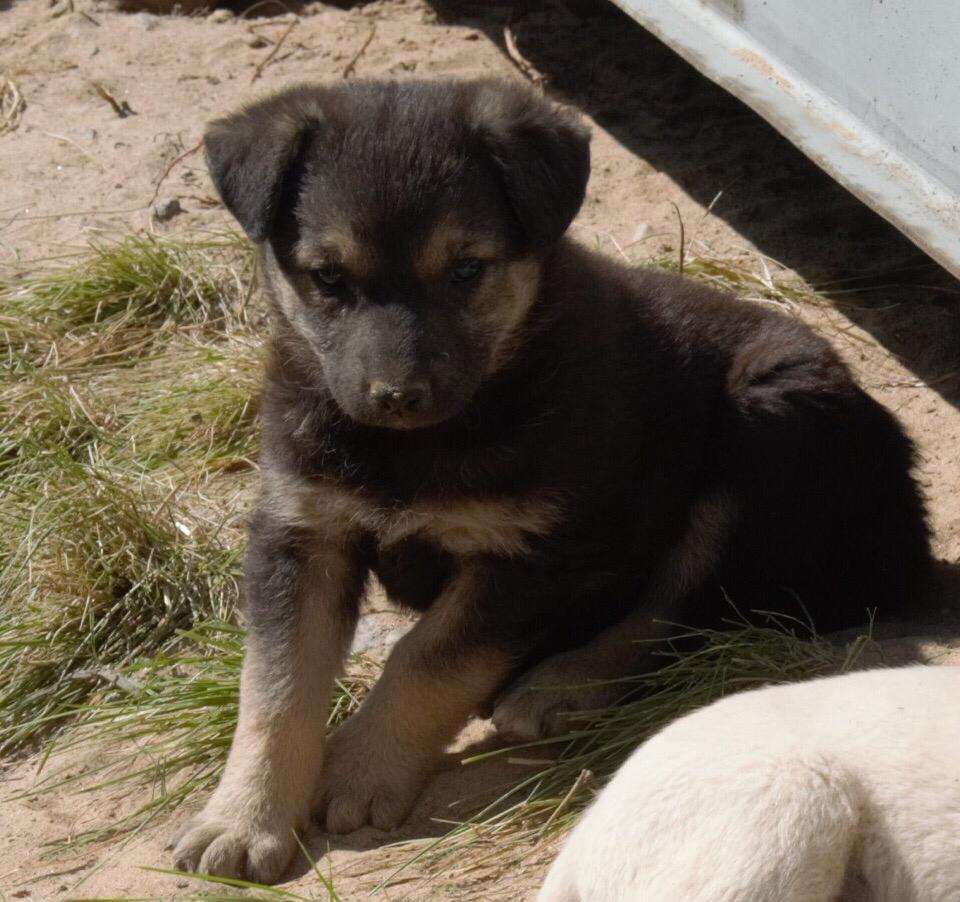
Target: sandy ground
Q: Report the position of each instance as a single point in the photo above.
(667, 145)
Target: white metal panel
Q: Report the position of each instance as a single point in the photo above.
(869, 89)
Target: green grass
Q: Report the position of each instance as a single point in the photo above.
(129, 386)
(122, 297)
(103, 569)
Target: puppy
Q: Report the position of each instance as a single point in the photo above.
(846, 787)
(540, 450)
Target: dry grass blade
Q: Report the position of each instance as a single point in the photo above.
(12, 105)
(351, 65)
(534, 75)
(120, 107)
(258, 71)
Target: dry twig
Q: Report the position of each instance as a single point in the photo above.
(169, 169)
(276, 48)
(349, 68)
(683, 238)
(120, 107)
(519, 60)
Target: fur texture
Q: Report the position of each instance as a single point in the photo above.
(539, 449)
(846, 787)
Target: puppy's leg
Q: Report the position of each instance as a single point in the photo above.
(302, 601)
(538, 704)
(435, 678)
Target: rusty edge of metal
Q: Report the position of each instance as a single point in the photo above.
(897, 188)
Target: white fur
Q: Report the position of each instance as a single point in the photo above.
(840, 788)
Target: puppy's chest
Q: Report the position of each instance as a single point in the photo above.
(505, 526)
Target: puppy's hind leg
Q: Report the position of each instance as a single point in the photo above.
(540, 702)
(302, 601)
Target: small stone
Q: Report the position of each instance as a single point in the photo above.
(166, 208)
(220, 15)
(256, 41)
(472, 36)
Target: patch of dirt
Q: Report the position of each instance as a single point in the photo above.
(115, 109)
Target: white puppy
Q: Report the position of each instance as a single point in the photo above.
(785, 794)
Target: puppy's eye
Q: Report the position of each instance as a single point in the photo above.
(329, 275)
(467, 269)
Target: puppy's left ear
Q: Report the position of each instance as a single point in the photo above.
(542, 152)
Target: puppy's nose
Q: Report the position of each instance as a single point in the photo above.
(400, 399)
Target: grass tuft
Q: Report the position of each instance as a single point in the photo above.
(120, 295)
(127, 383)
(102, 570)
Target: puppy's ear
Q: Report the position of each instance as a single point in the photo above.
(542, 152)
(251, 154)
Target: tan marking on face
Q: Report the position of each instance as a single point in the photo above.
(449, 242)
(287, 299)
(500, 305)
(500, 526)
(337, 243)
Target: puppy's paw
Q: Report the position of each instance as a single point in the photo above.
(366, 782)
(221, 846)
(550, 699)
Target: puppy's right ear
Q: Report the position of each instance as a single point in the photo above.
(251, 154)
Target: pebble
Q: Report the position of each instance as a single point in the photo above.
(220, 15)
(166, 208)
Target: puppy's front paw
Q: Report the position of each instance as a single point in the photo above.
(547, 700)
(222, 846)
(366, 782)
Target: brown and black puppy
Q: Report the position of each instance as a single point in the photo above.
(539, 449)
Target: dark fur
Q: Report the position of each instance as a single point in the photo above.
(629, 394)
